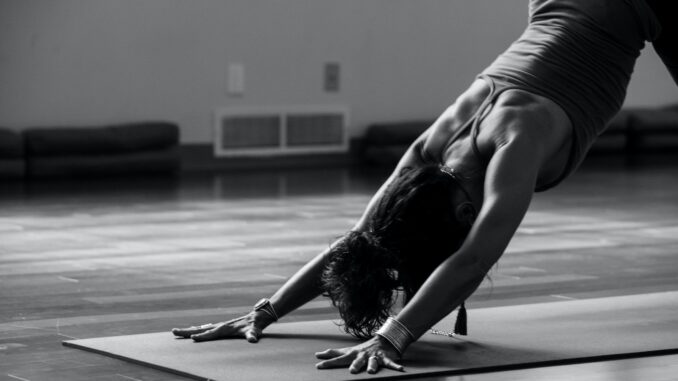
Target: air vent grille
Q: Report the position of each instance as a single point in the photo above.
(280, 131)
(313, 129)
(250, 131)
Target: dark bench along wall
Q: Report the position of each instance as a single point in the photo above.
(141, 147)
(12, 163)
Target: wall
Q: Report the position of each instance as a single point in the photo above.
(80, 62)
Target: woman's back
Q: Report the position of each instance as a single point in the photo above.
(580, 54)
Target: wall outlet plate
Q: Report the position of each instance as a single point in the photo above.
(332, 77)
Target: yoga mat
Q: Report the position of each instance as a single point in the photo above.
(500, 338)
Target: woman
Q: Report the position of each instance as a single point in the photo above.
(446, 214)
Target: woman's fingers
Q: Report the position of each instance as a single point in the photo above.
(356, 361)
(359, 363)
(329, 354)
(379, 360)
(219, 332)
(373, 364)
(244, 326)
(206, 336)
(187, 332)
(252, 334)
(388, 363)
(336, 362)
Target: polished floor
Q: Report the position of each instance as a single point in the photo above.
(132, 255)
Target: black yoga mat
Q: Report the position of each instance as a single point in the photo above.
(500, 338)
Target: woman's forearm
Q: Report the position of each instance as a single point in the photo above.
(302, 287)
(447, 287)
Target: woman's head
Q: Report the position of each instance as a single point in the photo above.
(422, 218)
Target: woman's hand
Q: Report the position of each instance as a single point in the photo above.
(249, 326)
(372, 355)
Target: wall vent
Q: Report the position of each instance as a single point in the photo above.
(259, 131)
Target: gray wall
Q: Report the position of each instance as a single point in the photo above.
(79, 62)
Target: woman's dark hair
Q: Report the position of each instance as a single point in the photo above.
(414, 227)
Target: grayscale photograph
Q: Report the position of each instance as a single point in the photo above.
(302, 190)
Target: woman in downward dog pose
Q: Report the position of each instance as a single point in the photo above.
(446, 214)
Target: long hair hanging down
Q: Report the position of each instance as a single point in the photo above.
(411, 231)
(359, 278)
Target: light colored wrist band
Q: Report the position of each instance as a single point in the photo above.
(266, 306)
(271, 313)
(397, 334)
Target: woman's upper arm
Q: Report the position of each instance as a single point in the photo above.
(509, 185)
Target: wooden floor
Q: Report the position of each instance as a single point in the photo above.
(126, 256)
